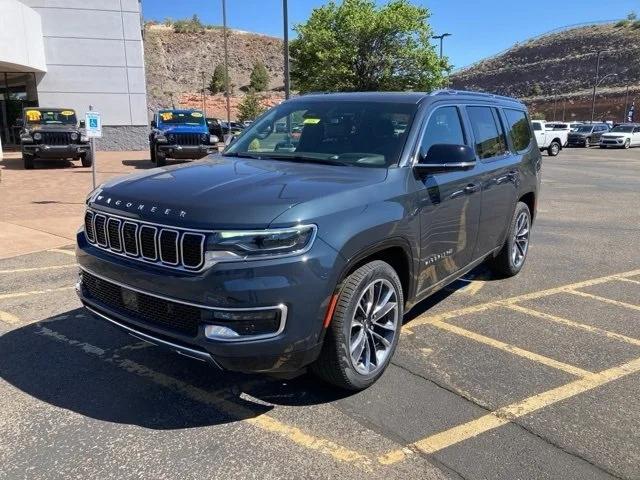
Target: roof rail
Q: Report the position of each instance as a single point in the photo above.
(448, 91)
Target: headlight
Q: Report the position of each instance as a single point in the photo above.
(205, 137)
(161, 139)
(74, 136)
(37, 136)
(236, 245)
(171, 137)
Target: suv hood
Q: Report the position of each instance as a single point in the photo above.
(184, 129)
(224, 192)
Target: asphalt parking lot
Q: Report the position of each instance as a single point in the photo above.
(533, 377)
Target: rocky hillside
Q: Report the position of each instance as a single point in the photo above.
(562, 65)
(175, 62)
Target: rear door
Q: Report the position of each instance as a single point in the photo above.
(499, 172)
(448, 203)
(636, 136)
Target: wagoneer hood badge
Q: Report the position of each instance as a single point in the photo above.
(135, 207)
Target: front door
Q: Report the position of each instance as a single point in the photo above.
(448, 204)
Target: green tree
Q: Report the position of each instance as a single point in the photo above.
(357, 45)
(250, 107)
(259, 79)
(216, 85)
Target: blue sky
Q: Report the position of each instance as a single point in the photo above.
(480, 27)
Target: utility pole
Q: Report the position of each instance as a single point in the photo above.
(204, 105)
(564, 108)
(226, 63)
(285, 16)
(555, 102)
(441, 38)
(626, 105)
(595, 86)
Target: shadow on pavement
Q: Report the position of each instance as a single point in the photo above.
(18, 164)
(79, 363)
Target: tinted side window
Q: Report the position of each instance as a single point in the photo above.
(489, 137)
(444, 127)
(519, 129)
(537, 126)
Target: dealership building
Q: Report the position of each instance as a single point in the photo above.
(72, 54)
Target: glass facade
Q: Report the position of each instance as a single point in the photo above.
(17, 90)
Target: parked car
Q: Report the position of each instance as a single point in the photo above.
(215, 127)
(587, 134)
(559, 127)
(622, 136)
(573, 126)
(549, 139)
(53, 134)
(180, 134)
(270, 261)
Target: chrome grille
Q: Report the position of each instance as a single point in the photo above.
(157, 244)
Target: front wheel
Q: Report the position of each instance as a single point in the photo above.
(553, 149)
(365, 328)
(587, 143)
(160, 157)
(627, 143)
(27, 159)
(513, 254)
(87, 159)
(152, 153)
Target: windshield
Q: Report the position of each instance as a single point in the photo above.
(173, 117)
(623, 129)
(364, 134)
(584, 129)
(50, 117)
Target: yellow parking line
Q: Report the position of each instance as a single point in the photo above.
(9, 318)
(33, 292)
(603, 299)
(571, 323)
(630, 280)
(66, 252)
(219, 399)
(504, 415)
(38, 269)
(492, 342)
(427, 319)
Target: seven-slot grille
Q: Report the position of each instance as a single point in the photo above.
(190, 139)
(166, 246)
(147, 308)
(56, 138)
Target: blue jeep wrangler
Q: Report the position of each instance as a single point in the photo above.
(180, 134)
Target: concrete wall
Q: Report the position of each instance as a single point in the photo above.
(21, 44)
(94, 55)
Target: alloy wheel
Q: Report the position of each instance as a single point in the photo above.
(374, 326)
(520, 240)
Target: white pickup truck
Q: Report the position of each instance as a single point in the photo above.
(550, 140)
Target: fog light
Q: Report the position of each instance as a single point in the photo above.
(241, 325)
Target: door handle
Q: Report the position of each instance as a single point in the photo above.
(472, 188)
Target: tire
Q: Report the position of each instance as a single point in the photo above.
(627, 143)
(587, 143)
(28, 161)
(553, 149)
(504, 264)
(335, 364)
(87, 159)
(152, 153)
(161, 158)
(603, 146)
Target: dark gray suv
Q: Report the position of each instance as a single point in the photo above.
(306, 245)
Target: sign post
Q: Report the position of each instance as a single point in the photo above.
(93, 128)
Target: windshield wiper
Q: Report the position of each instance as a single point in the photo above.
(303, 158)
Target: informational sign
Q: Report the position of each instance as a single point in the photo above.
(93, 125)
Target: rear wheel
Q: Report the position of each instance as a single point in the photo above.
(27, 159)
(513, 254)
(87, 159)
(365, 328)
(553, 149)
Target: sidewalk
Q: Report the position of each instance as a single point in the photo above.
(42, 208)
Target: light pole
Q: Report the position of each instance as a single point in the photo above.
(226, 63)
(441, 37)
(204, 105)
(285, 17)
(595, 86)
(626, 105)
(555, 102)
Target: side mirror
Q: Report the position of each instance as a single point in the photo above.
(154, 124)
(446, 157)
(82, 124)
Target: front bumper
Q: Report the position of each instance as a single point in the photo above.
(56, 151)
(613, 142)
(577, 141)
(186, 151)
(303, 284)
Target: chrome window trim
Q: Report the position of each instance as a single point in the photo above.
(95, 231)
(247, 338)
(129, 254)
(119, 234)
(163, 230)
(202, 240)
(155, 243)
